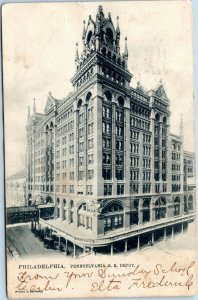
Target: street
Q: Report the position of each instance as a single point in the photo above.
(21, 241)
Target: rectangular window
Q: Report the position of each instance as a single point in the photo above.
(108, 128)
(71, 162)
(146, 188)
(119, 174)
(81, 132)
(64, 188)
(90, 113)
(104, 111)
(90, 128)
(120, 189)
(119, 145)
(164, 188)
(108, 113)
(90, 174)
(71, 176)
(108, 143)
(107, 189)
(89, 190)
(80, 175)
(106, 174)
(119, 160)
(81, 160)
(90, 159)
(90, 144)
(81, 147)
(163, 143)
(71, 189)
(64, 140)
(106, 158)
(64, 175)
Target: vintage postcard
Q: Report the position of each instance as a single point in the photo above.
(99, 149)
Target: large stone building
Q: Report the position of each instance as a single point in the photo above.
(101, 163)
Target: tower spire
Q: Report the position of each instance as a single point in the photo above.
(100, 10)
(77, 55)
(118, 27)
(118, 36)
(84, 31)
(34, 106)
(126, 54)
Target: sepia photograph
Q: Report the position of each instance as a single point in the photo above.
(99, 130)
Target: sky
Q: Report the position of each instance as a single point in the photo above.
(39, 52)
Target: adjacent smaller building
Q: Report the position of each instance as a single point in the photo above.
(16, 189)
(189, 181)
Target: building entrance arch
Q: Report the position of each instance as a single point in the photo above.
(113, 216)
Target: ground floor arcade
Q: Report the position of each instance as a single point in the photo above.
(53, 236)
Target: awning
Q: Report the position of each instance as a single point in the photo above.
(46, 205)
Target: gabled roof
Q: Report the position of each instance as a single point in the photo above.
(51, 102)
(160, 91)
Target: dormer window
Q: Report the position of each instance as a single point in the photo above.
(89, 36)
(109, 34)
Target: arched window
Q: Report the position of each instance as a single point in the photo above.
(49, 199)
(64, 212)
(107, 96)
(84, 218)
(164, 120)
(113, 216)
(176, 206)
(88, 97)
(160, 209)
(134, 216)
(190, 203)
(79, 103)
(58, 208)
(89, 36)
(120, 101)
(71, 211)
(115, 207)
(146, 210)
(185, 205)
(109, 33)
(157, 117)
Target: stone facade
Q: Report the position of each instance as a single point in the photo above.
(103, 156)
